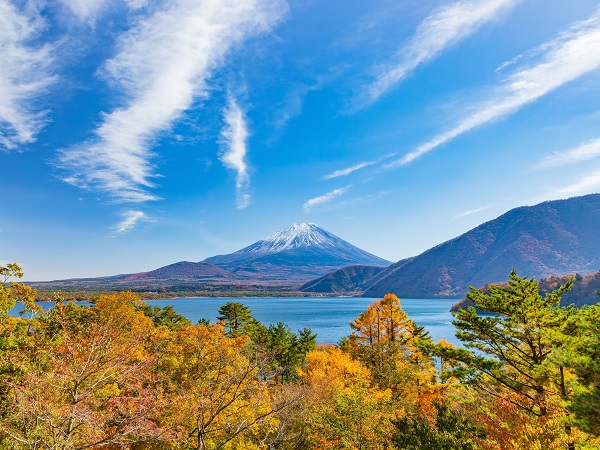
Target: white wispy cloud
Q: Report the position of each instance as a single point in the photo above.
(130, 219)
(572, 54)
(89, 10)
(349, 170)
(162, 67)
(25, 74)
(587, 184)
(234, 143)
(587, 150)
(443, 28)
(470, 212)
(310, 204)
(85, 9)
(136, 4)
(354, 168)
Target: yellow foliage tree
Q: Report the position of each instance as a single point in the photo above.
(331, 368)
(342, 410)
(11, 291)
(383, 321)
(214, 395)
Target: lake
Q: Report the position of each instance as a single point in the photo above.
(329, 317)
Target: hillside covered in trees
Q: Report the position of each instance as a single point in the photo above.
(549, 239)
(347, 281)
(584, 291)
(120, 374)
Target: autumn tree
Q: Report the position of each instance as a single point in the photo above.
(385, 340)
(12, 291)
(342, 409)
(510, 427)
(214, 395)
(14, 334)
(87, 379)
(582, 353)
(11, 329)
(383, 321)
(510, 340)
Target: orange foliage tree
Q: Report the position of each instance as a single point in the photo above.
(86, 379)
(386, 341)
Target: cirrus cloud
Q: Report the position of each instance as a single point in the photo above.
(234, 137)
(587, 150)
(444, 27)
(25, 74)
(325, 198)
(162, 67)
(130, 219)
(586, 184)
(571, 55)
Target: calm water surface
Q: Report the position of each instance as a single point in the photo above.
(329, 317)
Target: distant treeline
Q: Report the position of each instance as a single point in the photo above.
(584, 291)
(122, 374)
(89, 295)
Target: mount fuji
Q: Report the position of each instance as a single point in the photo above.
(298, 253)
(284, 260)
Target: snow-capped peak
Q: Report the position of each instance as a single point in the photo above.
(294, 236)
(298, 249)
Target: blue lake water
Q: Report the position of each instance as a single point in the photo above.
(329, 317)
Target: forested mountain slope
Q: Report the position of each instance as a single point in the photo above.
(551, 238)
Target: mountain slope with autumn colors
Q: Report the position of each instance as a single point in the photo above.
(584, 292)
(551, 238)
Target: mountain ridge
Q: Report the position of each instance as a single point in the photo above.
(298, 253)
(285, 259)
(548, 239)
(346, 281)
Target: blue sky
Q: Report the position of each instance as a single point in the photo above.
(137, 133)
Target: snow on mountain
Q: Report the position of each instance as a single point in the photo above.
(287, 258)
(300, 252)
(297, 235)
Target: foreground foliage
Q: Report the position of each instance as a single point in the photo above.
(120, 374)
